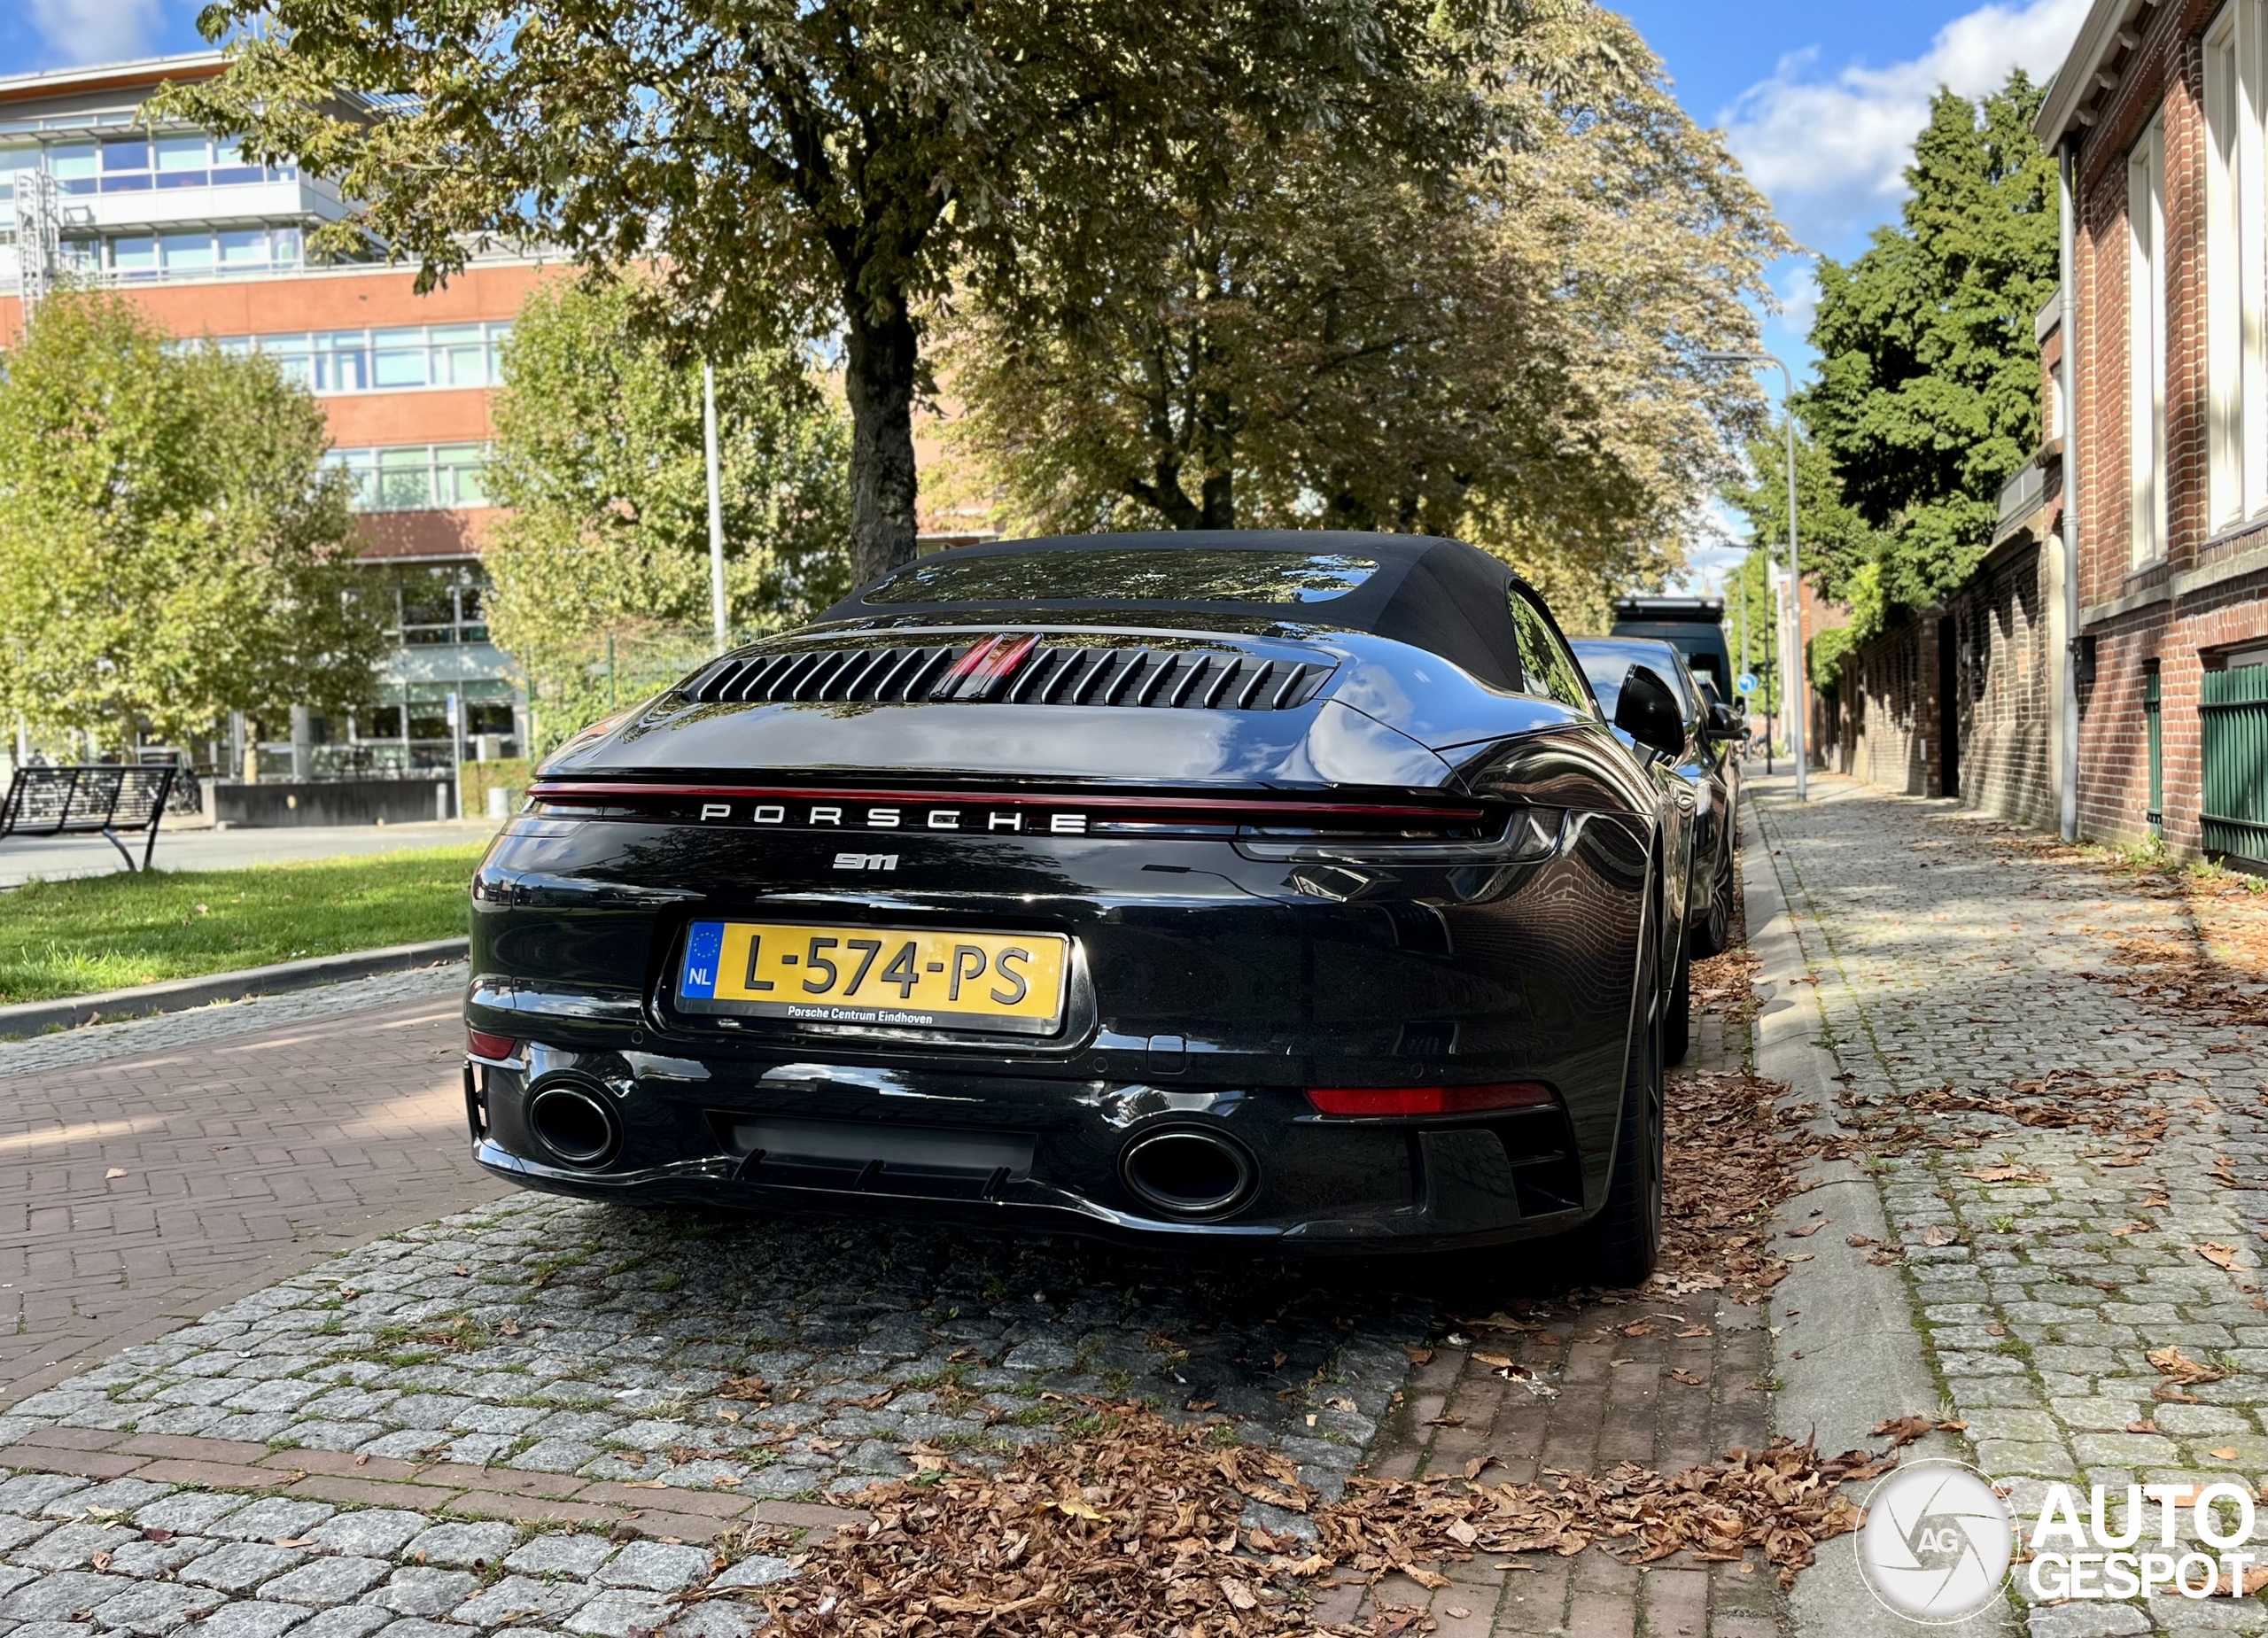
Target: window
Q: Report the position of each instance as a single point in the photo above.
(379, 361)
(183, 161)
(244, 247)
(2146, 348)
(1550, 671)
(187, 252)
(442, 605)
(2236, 354)
(11, 161)
(124, 167)
(134, 257)
(415, 478)
(73, 167)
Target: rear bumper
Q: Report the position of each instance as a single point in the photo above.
(1025, 1154)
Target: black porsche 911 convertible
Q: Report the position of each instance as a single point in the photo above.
(1285, 890)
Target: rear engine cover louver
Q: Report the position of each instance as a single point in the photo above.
(1015, 672)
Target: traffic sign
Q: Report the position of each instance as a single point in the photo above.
(1746, 683)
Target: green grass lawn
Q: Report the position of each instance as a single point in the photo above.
(65, 938)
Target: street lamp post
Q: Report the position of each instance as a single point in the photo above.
(719, 629)
(1798, 705)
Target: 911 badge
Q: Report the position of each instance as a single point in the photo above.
(866, 861)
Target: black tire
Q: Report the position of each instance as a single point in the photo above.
(1677, 1020)
(1619, 1245)
(1713, 931)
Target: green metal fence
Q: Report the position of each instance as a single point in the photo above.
(2155, 720)
(2234, 712)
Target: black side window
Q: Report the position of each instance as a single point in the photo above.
(1550, 669)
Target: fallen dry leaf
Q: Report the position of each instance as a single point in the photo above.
(2170, 1362)
(1937, 1234)
(2219, 1256)
(1903, 1430)
(1495, 1361)
(966, 1550)
(1687, 1378)
(115, 1171)
(2253, 1580)
(2226, 1453)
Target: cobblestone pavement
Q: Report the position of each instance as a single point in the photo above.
(541, 1363)
(1959, 966)
(152, 1169)
(63, 1049)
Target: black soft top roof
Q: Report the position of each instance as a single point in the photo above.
(1443, 597)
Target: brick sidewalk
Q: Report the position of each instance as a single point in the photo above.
(1595, 1397)
(244, 1159)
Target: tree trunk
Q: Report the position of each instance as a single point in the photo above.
(884, 355)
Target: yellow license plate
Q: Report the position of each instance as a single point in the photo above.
(806, 973)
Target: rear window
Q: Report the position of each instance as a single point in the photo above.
(1193, 575)
(1606, 668)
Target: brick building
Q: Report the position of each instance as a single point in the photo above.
(212, 247)
(1965, 699)
(2158, 117)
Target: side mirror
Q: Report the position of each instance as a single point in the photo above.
(1721, 727)
(1649, 713)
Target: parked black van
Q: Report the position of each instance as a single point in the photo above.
(1693, 625)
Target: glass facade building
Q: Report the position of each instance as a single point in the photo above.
(215, 247)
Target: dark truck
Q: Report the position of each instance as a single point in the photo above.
(1695, 626)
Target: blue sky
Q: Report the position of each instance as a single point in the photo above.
(1820, 101)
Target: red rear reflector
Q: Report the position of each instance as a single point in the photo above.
(480, 1043)
(1428, 1099)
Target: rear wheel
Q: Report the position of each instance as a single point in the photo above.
(1713, 931)
(1619, 1245)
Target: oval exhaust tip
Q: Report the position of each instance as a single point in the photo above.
(574, 1123)
(1188, 1172)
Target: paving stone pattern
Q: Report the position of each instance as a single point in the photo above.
(153, 1170)
(1948, 953)
(547, 1362)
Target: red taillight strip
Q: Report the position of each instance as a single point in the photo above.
(1400, 1100)
(595, 791)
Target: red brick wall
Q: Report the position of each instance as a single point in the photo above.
(2006, 675)
(2177, 633)
(1888, 703)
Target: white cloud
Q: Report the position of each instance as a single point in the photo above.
(1830, 150)
(1799, 294)
(94, 31)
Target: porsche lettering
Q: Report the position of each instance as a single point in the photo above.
(831, 816)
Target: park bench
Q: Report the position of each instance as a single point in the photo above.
(91, 799)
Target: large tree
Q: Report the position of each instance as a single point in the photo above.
(810, 166)
(601, 562)
(1928, 394)
(1297, 339)
(172, 547)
